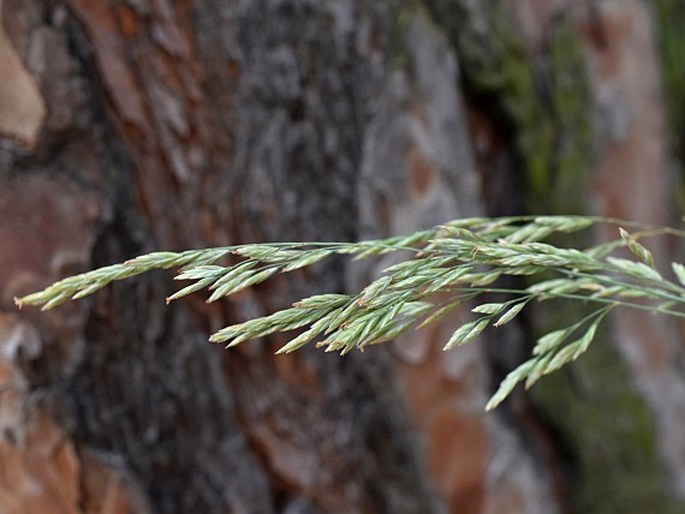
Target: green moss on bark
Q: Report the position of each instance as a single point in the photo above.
(608, 434)
(670, 20)
(544, 105)
(542, 101)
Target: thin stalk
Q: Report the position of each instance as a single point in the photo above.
(571, 296)
(634, 286)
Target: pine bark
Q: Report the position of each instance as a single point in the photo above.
(137, 125)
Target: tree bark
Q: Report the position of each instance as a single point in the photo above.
(140, 125)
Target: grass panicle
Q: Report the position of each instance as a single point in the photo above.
(449, 265)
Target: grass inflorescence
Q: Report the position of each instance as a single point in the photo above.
(449, 265)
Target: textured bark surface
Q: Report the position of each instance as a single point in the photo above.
(128, 126)
(179, 126)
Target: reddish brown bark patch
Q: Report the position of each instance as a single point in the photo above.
(421, 174)
(22, 109)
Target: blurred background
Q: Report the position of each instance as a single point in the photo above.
(128, 126)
